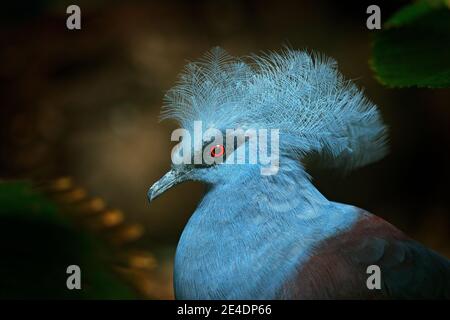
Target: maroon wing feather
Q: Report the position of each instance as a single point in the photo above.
(337, 267)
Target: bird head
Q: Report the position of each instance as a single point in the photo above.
(217, 156)
(241, 117)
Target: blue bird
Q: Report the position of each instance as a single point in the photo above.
(256, 235)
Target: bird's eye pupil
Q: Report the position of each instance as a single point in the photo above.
(217, 150)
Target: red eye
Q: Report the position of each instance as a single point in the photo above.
(217, 151)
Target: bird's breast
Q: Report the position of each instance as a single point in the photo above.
(246, 257)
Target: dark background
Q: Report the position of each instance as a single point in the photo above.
(85, 104)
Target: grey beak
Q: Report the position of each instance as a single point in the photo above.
(167, 181)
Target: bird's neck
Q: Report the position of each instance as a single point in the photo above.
(258, 228)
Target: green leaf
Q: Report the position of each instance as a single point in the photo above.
(38, 243)
(410, 13)
(413, 49)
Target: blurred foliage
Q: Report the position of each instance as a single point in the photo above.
(85, 105)
(38, 243)
(413, 48)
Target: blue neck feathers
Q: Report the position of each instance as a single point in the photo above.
(248, 236)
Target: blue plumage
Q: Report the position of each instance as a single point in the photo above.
(277, 237)
(301, 94)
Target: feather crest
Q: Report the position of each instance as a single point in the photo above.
(301, 94)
